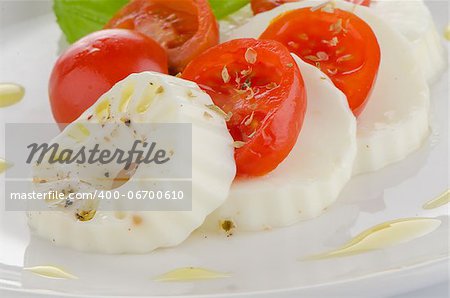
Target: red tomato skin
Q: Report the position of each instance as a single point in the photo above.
(279, 131)
(137, 16)
(259, 6)
(249, 162)
(358, 75)
(92, 65)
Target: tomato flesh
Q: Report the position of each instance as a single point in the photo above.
(259, 84)
(338, 42)
(92, 65)
(259, 6)
(185, 28)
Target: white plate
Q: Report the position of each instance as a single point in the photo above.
(261, 264)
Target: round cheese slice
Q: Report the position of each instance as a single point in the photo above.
(115, 121)
(395, 120)
(413, 20)
(310, 178)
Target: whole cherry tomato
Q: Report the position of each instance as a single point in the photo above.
(92, 65)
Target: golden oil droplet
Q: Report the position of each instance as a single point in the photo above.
(10, 94)
(439, 201)
(4, 165)
(147, 97)
(127, 92)
(78, 132)
(190, 274)
(384, 235)
(103, 110)
(50, 272)
(120, 214)
(447, 32)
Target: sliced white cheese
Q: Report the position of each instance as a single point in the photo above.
(310, 178)
(413, 20)
(142, 98)
(395, 120)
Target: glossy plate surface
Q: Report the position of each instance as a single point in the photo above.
(254, 264)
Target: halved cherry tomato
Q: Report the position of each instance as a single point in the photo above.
(92, 65)
(185, 28)
(259, 6)
(259, 84)
(336, 41)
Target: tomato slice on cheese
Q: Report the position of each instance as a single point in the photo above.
(259, 86)
(336, 41)
(185, 28)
